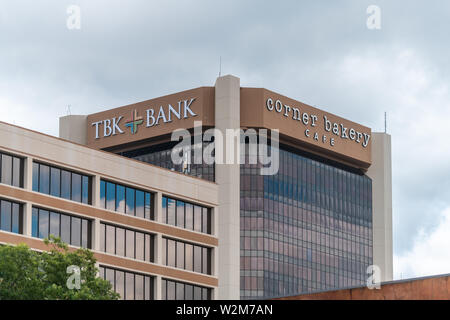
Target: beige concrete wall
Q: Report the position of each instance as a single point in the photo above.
(227, 116)
(73, 128)
(381, 174)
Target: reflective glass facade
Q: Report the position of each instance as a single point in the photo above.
(129, 285)
(72, 230)
(61, 183)
(160, 155)
(186, 215)
(176, 290)
(307, 228)
(126, 200)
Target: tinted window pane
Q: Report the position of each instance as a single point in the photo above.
(189, 257)
(130, 243)
(140, 204)
(180, 255)
(164, 289)
(76, 231)
(54, 224)
(110, 239)
(129, 289)
(5, 220)
(43, 224)
(205, 221)
(35, 176)
(164, 251)
(170, 253)
(148, 248)
(130, 201)
(15, 218)
(120, 241)
(120, 200)
(170, 290)
(85, 189)
(102, 237)
(139, 246)
(180, 291)
(76, 187)
(148, 288)
(171, 211)
(180, 214)
(65, 184)
(110, 196)
(34, 222)
(164, 209)
(6, 169)
(148, 208)
(109, 275)
(102, 194)
(17, 164)
(188, 292)
(55, 182)
(139, 287)
(65, 228)
(85, 233)
(120, 283)
(205, 259)
(189, 216)
(44, 179)
(197, 293)
(197, 259)
(197, 218)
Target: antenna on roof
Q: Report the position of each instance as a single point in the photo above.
(385, 122)
(68, 110)
(220, 66)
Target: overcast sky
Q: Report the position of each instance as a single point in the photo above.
(318, 52)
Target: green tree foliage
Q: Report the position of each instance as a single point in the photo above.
(31, 275)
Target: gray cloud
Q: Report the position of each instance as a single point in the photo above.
(318, 52)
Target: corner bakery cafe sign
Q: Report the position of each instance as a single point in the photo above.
(311, 122)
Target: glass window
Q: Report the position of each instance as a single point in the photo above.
(197, 293)
(140, 204)
(130, 243)
(65, 228)
(76, 232)
(206, 221)
(148, 206)
(120, 241)
(180, 214)
(17, 172)
(170, 253)
(129, 289)
(164, 289)
(180, 255)
(120, 198)
(189, 216)
(43, 224)
(197, 218)
(44, 179)
(180, 291)
(139, 246)
(65, 184)
(110, 239)
(5, 220)
(103, 193)
(120, 283)
(85, 233)
(170, 211)
(164, 251)
(76, 187)
(54, 224)
(130, 201)
(110, 196)
(148, 248)
(55, 179)
(170, 290)
(6, 169)
(102, 237)
(189, 258)
(34, 223)
(188, 292)
(35, 176)
(15, 218)
(197, 259)
(164, 209)
(85, 189)
(139, 287)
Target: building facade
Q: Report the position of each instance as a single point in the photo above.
(225, 229)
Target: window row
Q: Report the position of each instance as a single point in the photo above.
(129, 285)
(61, 183)
(186, 256)
(126, 243)
(11, 170)
(72, 230)
(175, 290)
(10, 216)
(127, 200)
(186, 215)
